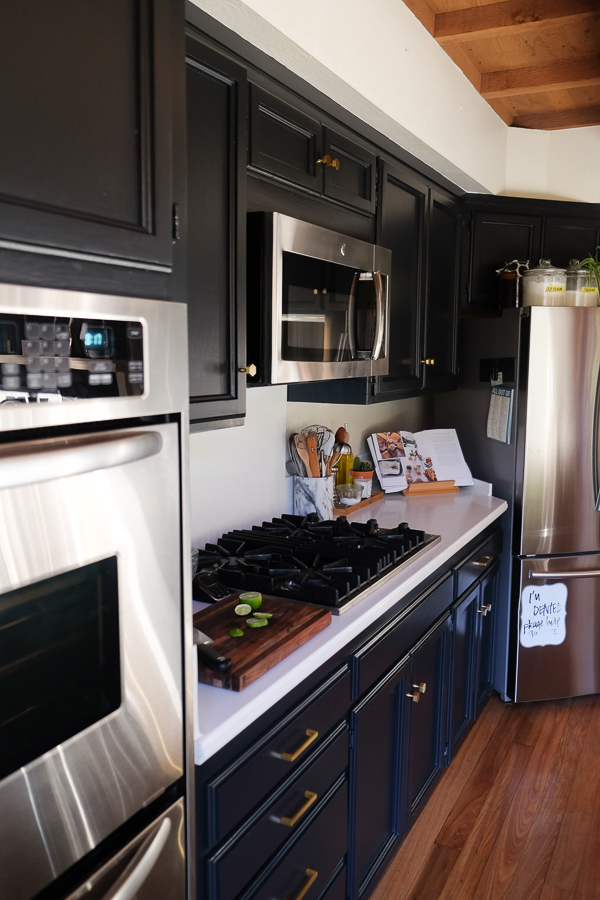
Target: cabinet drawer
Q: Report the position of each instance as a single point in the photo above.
(248, 853)
(307, 866)
(393, 641)
(233, 794)
(478, 563)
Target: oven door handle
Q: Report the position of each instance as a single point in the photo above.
(130, 881)
(32, 462)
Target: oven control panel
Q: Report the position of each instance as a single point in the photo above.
(45, 360)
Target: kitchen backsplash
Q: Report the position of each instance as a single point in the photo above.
(238, 475)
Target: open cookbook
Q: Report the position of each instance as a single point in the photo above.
(402, 458)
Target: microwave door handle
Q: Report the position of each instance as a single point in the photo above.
(351, 324)
(32, 462)
(140, 867)
(380, 313)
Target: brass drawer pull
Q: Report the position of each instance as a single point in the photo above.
(418, 690)
(329, 162)
(486, 561)
(484, 610)
(311, 875)
(310, 737)
(291, 821)
(429, 361)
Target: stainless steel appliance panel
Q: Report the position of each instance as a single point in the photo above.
(115, 496)
(557, 633)
(560, 475)
(150, 867)
(165, 355)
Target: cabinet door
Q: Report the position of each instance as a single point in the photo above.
(439, 344)
(351, 176)
(497, 238)
(216, 178)
(428, 717)
(85, 155)
(402, 207)
(569, 237)
(284, 141)
(485, 625)
(464, 652)
(379, 724)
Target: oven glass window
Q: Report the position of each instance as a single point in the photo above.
(59, 660)
(328, 311)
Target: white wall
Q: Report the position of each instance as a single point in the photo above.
(379, 62)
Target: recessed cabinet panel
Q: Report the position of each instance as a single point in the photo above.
(283, 140)
(351, 175)
(215, 233)
(439, 355)
(85, 155)
(567, 238)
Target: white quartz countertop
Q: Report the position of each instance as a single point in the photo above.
(220, 715)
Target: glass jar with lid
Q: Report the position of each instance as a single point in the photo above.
(544, 285)
(582, 289)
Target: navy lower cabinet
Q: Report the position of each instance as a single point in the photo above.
(313, 799)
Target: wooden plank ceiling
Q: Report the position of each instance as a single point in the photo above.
(536, 62)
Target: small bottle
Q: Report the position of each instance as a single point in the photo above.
(346, 459)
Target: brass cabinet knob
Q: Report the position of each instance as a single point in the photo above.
(414, 697)
(329, 162)
(249, 370)
(484, 610)
(429, 361)
(421, 688)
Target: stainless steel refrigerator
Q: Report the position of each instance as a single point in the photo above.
(548, 614)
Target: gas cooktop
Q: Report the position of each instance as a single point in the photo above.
(331, 564)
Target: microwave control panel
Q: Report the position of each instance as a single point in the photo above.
(45, 360)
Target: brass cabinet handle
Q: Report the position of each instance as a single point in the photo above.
(421, 688)
(429, 361)
(291, 820)
(310, 737)
(329, 162)
(415, 697)
(484, 562)
(311, 875)
(249, 370)
(484, 610)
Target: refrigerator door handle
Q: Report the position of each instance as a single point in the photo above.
(596, 446)
(585, 573)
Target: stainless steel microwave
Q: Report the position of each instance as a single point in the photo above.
(318, 302)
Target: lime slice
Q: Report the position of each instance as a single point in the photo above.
(252, 622)
(252, 598)
(243, 609)
(236, 632)
(263, 615)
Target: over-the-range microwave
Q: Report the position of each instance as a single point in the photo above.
(317, 302)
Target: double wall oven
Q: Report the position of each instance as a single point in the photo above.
(93, 710)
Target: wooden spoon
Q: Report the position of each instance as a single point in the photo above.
(300, 441)
(311, 446)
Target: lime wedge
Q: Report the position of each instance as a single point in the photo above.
(252, 622)
(243, 609)
(236, 632)
(252, 598)
(263, 615)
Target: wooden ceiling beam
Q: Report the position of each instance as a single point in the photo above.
(539, 79)
(553, 120)
(509, 16)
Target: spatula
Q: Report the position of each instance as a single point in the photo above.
(302, 450)
(313, 456)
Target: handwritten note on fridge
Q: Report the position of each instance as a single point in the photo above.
(543, 615)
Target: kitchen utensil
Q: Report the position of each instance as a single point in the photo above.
(325, 439)
(313, 456)
(302, 451)
(208, 655)
(291, 625)
(298, 464)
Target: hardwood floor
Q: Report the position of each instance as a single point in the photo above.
(517, 814)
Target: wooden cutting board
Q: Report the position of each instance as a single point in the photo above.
(293, 624)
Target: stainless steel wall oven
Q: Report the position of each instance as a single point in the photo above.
(93, 426)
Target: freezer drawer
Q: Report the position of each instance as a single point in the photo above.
(556, 632)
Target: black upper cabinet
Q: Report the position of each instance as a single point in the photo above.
(421, 226)
(216, 93)
(507, 228)
(86, 92)
(293, 145)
